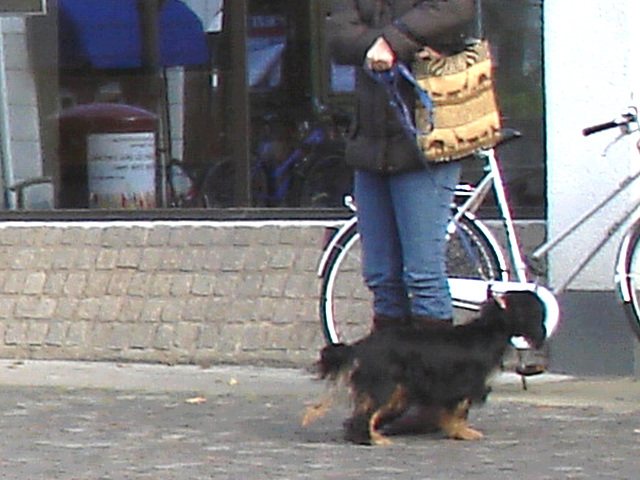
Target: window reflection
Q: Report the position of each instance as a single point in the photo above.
(297, 101)
(265, 50)
(343, 78)
(516, 36)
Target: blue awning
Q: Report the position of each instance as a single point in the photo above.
(106, 34)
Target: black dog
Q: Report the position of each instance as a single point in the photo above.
(440, 368)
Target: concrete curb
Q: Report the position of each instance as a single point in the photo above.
(620, 394)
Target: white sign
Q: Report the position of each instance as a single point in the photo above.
(121, 170)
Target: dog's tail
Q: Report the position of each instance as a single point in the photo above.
(335, 359)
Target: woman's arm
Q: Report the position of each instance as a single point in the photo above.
(429, 23)
(351, 36)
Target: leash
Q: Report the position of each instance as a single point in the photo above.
(390, 79)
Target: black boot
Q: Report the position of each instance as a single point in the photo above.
(420, 322)
(382, 322)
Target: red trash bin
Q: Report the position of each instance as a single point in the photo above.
(107, 157)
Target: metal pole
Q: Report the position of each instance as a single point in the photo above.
(479, 25)
(149, 14)
(239, 131)
(149, 11)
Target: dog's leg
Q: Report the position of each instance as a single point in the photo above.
(317, 410)
(377, 438)
(357, 427)
(396, 405)
(454, 423)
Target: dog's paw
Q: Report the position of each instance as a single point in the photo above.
(466, 433)
(380, 440)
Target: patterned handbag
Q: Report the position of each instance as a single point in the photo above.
(462, 115)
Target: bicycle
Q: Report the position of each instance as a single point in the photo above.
(313, 174)
(627, 268)
(475, 262)
(475, 258)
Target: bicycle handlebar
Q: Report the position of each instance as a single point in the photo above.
(624, 120)
(599, 128)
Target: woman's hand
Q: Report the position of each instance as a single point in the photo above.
(380, 57)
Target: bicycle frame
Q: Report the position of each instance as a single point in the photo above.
(492, 180)
(628, 124)
(284, 171)
(474, 292)
(611, 231)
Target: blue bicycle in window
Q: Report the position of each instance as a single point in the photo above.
(304, 169)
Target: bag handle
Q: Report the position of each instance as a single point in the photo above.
(479, 24)
(389, 79)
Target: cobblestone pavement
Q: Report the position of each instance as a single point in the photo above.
(65, 420)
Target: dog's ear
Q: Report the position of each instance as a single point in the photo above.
(499, 298)
(526, 314)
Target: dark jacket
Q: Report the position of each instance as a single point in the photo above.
(377, 140)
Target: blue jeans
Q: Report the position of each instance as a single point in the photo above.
(402, 220)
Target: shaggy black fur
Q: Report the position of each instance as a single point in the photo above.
(442, 368)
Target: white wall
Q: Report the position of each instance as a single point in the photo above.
(590, 74)
(21, 152)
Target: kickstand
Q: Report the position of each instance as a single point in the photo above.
(528, 366)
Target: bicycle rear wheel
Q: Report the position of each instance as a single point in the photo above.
(628, 276)
(216, 186)
(346, 303)
(326, 182)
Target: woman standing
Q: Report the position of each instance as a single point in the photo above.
(403, 203)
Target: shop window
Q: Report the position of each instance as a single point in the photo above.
(516, 35)
(297, 103)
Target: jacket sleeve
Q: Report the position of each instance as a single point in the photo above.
(350, 35)
(429, 23)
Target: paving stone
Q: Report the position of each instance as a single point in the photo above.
(163, 338)
(15, 333)
(117, 422)
(37, 333)
(107, 259)
(128, 258)
(35, 308)
(56, 334)
(35, 283)
(14, 281)
(75, 284)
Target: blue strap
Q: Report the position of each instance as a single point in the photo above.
(389, 79)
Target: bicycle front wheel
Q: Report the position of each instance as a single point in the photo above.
(346, 303)
(628, 276)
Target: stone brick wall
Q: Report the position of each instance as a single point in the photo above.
(168, 292)
(175, 292)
